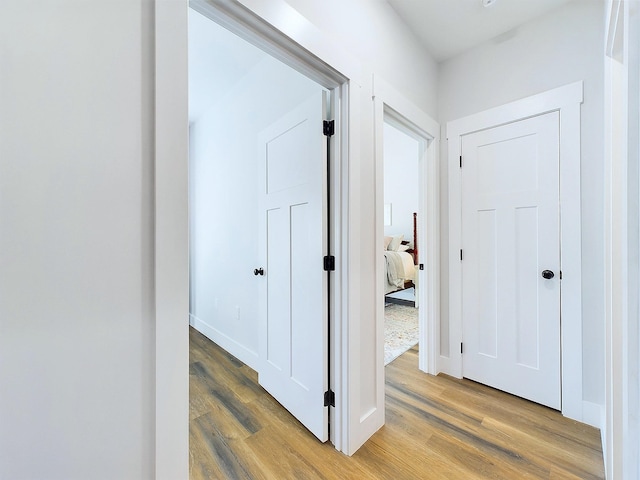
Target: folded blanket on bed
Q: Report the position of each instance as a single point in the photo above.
(395, 271)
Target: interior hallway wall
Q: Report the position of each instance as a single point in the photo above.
(372, 31)
(77, 319)
(559, 48)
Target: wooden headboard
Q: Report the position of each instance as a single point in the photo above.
(415, 238)
(414, 251)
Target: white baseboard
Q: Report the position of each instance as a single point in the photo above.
(593, 414)
(444, 365)
(242, 353)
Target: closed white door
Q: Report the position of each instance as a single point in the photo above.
(293, 365)
(511, 244)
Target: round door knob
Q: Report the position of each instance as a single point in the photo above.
(258, 271)
(548, 274)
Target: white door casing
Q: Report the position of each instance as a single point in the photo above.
(510, 235)
(319, 55)
(392, 105)
(293, 356)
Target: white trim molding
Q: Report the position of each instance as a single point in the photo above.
(171, 244)
(241, 352)
(392, 105)
(593, 414)
(621, 439)
(566, 100)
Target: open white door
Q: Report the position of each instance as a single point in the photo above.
(511, 258)
(293, 363)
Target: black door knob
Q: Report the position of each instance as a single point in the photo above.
(258, 271)
(548, 274)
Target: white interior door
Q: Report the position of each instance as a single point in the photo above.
(511, 235)
(294, 307)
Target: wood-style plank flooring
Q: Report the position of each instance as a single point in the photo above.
(436, 428)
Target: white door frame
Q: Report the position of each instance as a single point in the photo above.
(277, 27)
(621, 429)
(566, 100)
(390, 103)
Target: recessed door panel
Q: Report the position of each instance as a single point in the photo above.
(278, 296)
(487, 283)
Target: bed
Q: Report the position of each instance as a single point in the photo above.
(400, 260)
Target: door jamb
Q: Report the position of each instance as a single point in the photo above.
(389, 102)
(566, 100)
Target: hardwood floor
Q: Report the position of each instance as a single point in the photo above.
(436, 428)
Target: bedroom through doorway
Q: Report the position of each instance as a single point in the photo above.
(401, 156)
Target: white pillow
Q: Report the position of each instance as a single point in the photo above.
(403, 248)
(387, 241)
(395, 243)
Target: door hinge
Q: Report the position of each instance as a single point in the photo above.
(560, 274)
(329, 398)
(421, 267)
(460, 161)
(328, 127)
(329, 263)
(461, 256)
(461, 348)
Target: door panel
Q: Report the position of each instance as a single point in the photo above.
(526, 287)
(277, 277)
(510, 231)
(487, 301)
(294, 308)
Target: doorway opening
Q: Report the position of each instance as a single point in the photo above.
(241, 86)
(398, 121)
(401, 159)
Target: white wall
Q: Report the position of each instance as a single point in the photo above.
(374, 34)
(401, 155)
(77, 333)
(224, 203)
(218, 59)
(560, 48)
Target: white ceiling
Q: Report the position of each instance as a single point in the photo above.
(218, 59)
(449, 27)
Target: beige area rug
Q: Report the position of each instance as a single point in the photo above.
(400, 330)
